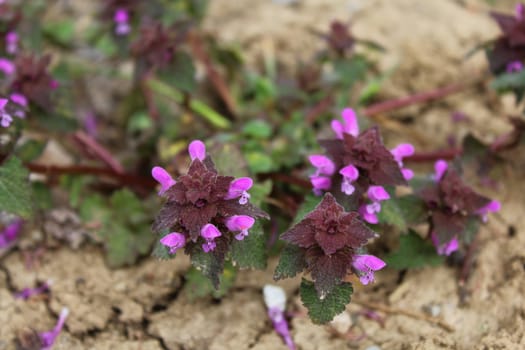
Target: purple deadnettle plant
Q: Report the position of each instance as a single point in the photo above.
(330, 244)
(357, 164)
(204, 212)
(453, 208)
(507, 52)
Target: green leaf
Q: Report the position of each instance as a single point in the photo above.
(259, 129)
(128, 207)
(291, 263)
(198, 286)
(413, 252)
(180, 73)
(402, 211)
(471, 229)
(322, 311)
(139, 121)
(30, 150)
(209, 265)
(251, 251)
(260, 191)
(124, 245)
(391, 214)
(15, 192)
(259, 162)
(60, 32)
(509, 81)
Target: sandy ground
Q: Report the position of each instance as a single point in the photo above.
(143, 307)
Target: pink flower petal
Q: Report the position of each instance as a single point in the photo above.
(338, 129)
(163, 178)
(321, 182)
(378, 193)
(401, 151)
(238, 187)
(197, 149)
(239, 222)
(174, 241)
(210, 232)
(324, 165)
(440, 168)
(350, 172)
(350, 121)
(371, 218)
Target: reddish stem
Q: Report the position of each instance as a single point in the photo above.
(422, 157)
(319, 109)
(216, 79)
(122, 178)
(398, 103)
(97, 150)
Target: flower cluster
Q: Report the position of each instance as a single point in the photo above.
(13, 107)
(452, 204)
(119, 12)
(359, 163)
(508, 51)
(330, 242)
(204, 210)
(156, 45)
(32, 82)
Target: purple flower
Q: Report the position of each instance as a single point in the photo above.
(5, 118)
(209, 232)
(514, 66)
(350, 174)
(323, 164)
(7, 66)
(27, 293)
(320, 183)
(445, 248)
(20, 100)
(520, 11)
(90, 124)
(10, 233)
(197, 149)
(11, 40)
(492, 207)
(376, 194)
(324, 169)
(121, 20)
(275, 300)
(240, 223)
(348, 126)
(238, 188)
(48, 338)
(440, 168)
(365, 265)
(401, 151)
(173, 241)
(163, 178)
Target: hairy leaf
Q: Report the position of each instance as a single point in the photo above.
(413, 252)
(324, 310)
(15, 192)
(198, 286)
(251, 251)
(291, 263)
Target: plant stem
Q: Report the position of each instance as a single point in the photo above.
(391, 310)
(122, 178)
(397, 103)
